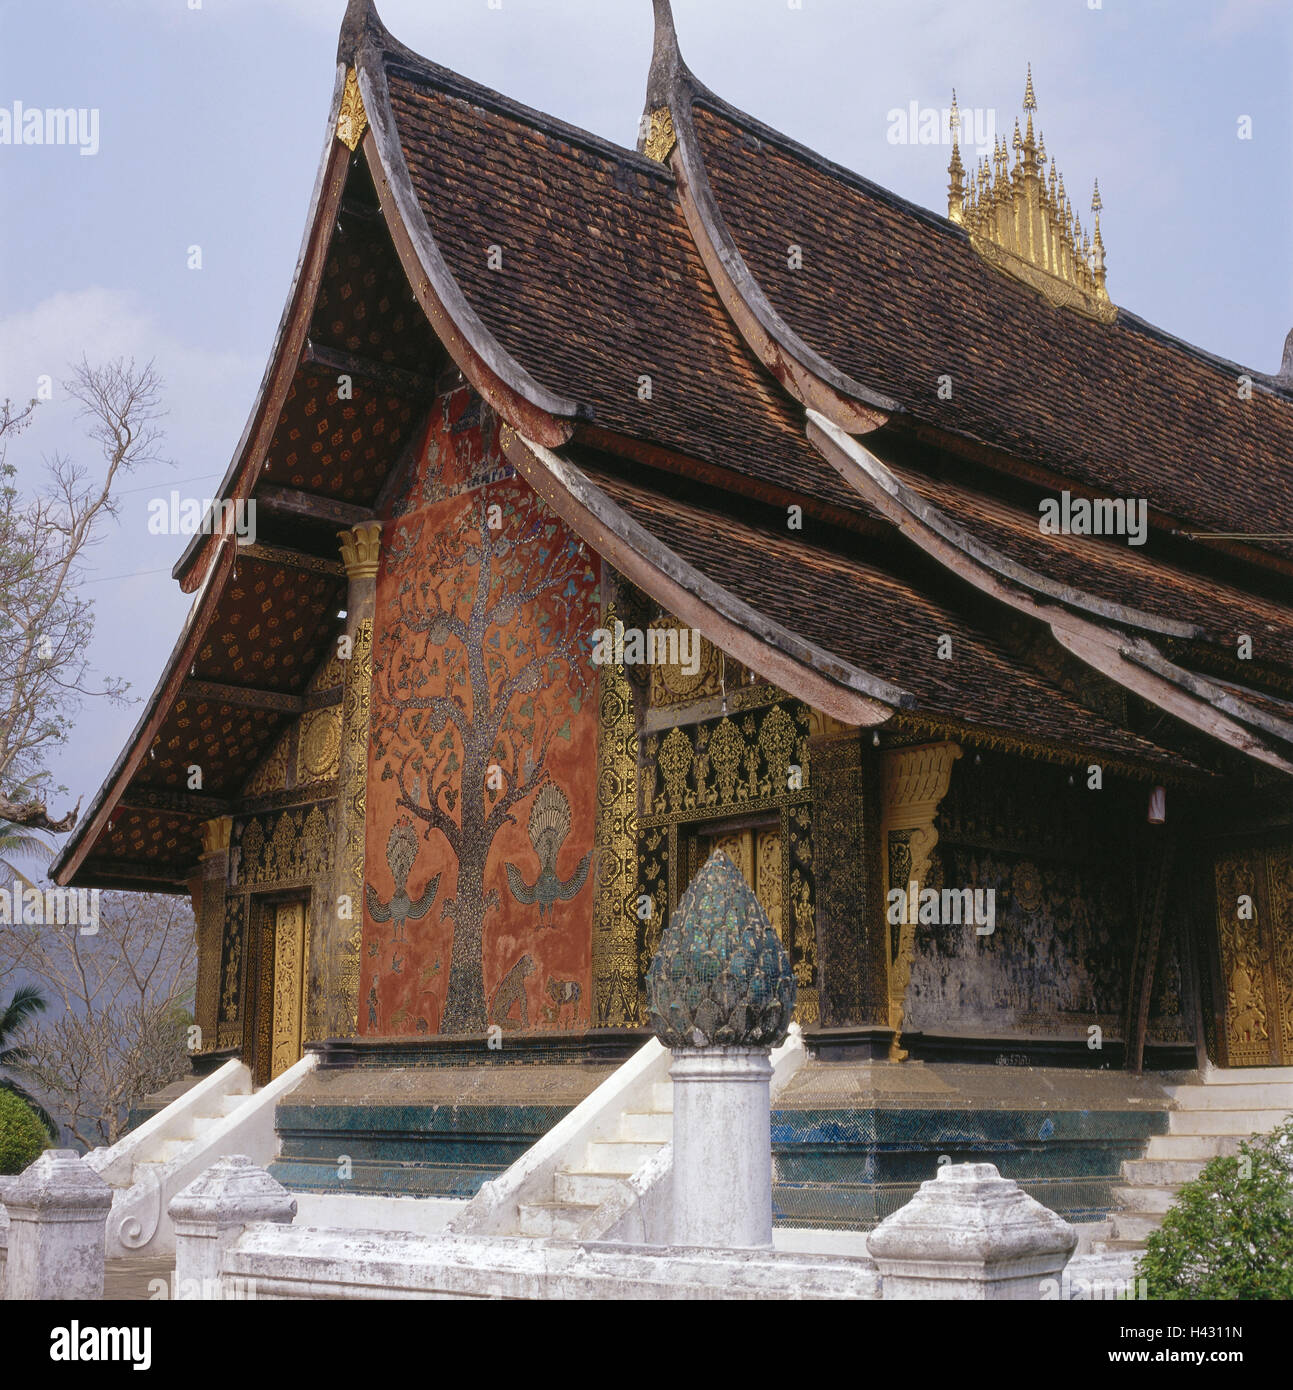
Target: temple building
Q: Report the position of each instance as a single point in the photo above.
(614, 506)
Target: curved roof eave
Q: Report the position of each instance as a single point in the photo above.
(495, 374)
(802, 669)
(202, 610)
(1075, 618)
(802, 370)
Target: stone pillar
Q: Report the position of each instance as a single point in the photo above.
(915, 781)
(210, 921)
(722, 1146)
(970, 1234)
(212, 1212)
(334, 963)
(721, 992)
(58, 1212)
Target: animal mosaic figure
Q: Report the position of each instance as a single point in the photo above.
(549, 827)
(563, 993)
(510, 993)
(401, 851)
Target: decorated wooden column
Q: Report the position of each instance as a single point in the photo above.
(721, 991)
(915, 782)
(335, 966)
(846, 864)
(208, 907)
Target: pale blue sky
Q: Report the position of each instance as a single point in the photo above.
(211, 128)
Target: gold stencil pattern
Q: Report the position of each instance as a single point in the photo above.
(319, 745)
(1255, 934)
(289, 983)
(615, 923)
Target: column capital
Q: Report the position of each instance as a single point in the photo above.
(216, 834)
(361, 550)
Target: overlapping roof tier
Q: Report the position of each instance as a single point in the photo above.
(671, 387)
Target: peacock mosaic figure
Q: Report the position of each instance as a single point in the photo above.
(549, 827)
(401, 852)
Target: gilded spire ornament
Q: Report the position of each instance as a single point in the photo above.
(352, 119)
(1021, 222)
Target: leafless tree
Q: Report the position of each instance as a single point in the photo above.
(45, 622)
(120, 1008)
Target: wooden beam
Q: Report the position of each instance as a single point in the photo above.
(398, 380)
(244, 697)
(292, 559)
(197, 804)
(305, 506)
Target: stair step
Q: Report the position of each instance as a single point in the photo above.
(662, 1097)
(1161, 1172)
(623, 1156)
(1135, 1225)
(171, 1148)
(1244, 1096)
(561, 1219)
(589, 1189)
(1244, 1076)
(1203, 1146)
(1144, 1199)
(226, 1105)
(646, 1125)
(1241, 1122)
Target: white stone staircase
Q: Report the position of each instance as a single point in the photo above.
(1210, 1118)
(599, 1172)
(222, 1115)
(605, 1171)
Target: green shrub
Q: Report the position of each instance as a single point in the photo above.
(22, 1136)
(1230, 1232)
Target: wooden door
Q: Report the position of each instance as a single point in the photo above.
(289, 986)
(1255, 937)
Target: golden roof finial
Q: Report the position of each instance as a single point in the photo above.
(1022, 221)
(956, 170)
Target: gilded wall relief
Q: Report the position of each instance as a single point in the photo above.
(754, 762)
(1254, 914)
(318, 746)
(229, 1028)
(292, 847)
(483, 698)
(289, 986)
(616, 923)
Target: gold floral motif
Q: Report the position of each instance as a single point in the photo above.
(352, 119)
(661, 137)
(671, 684)
(289, 952)
(271, 775)
(319, 745)
(615, 921)
(726, 748)
(352, 796)
(675, 762)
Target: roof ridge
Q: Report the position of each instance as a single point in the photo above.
(426, 72)
(701, 95)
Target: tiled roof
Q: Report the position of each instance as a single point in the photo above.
(878, 620)
(897, 298)
(600, 282)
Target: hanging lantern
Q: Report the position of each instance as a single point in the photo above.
(1158, 806)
